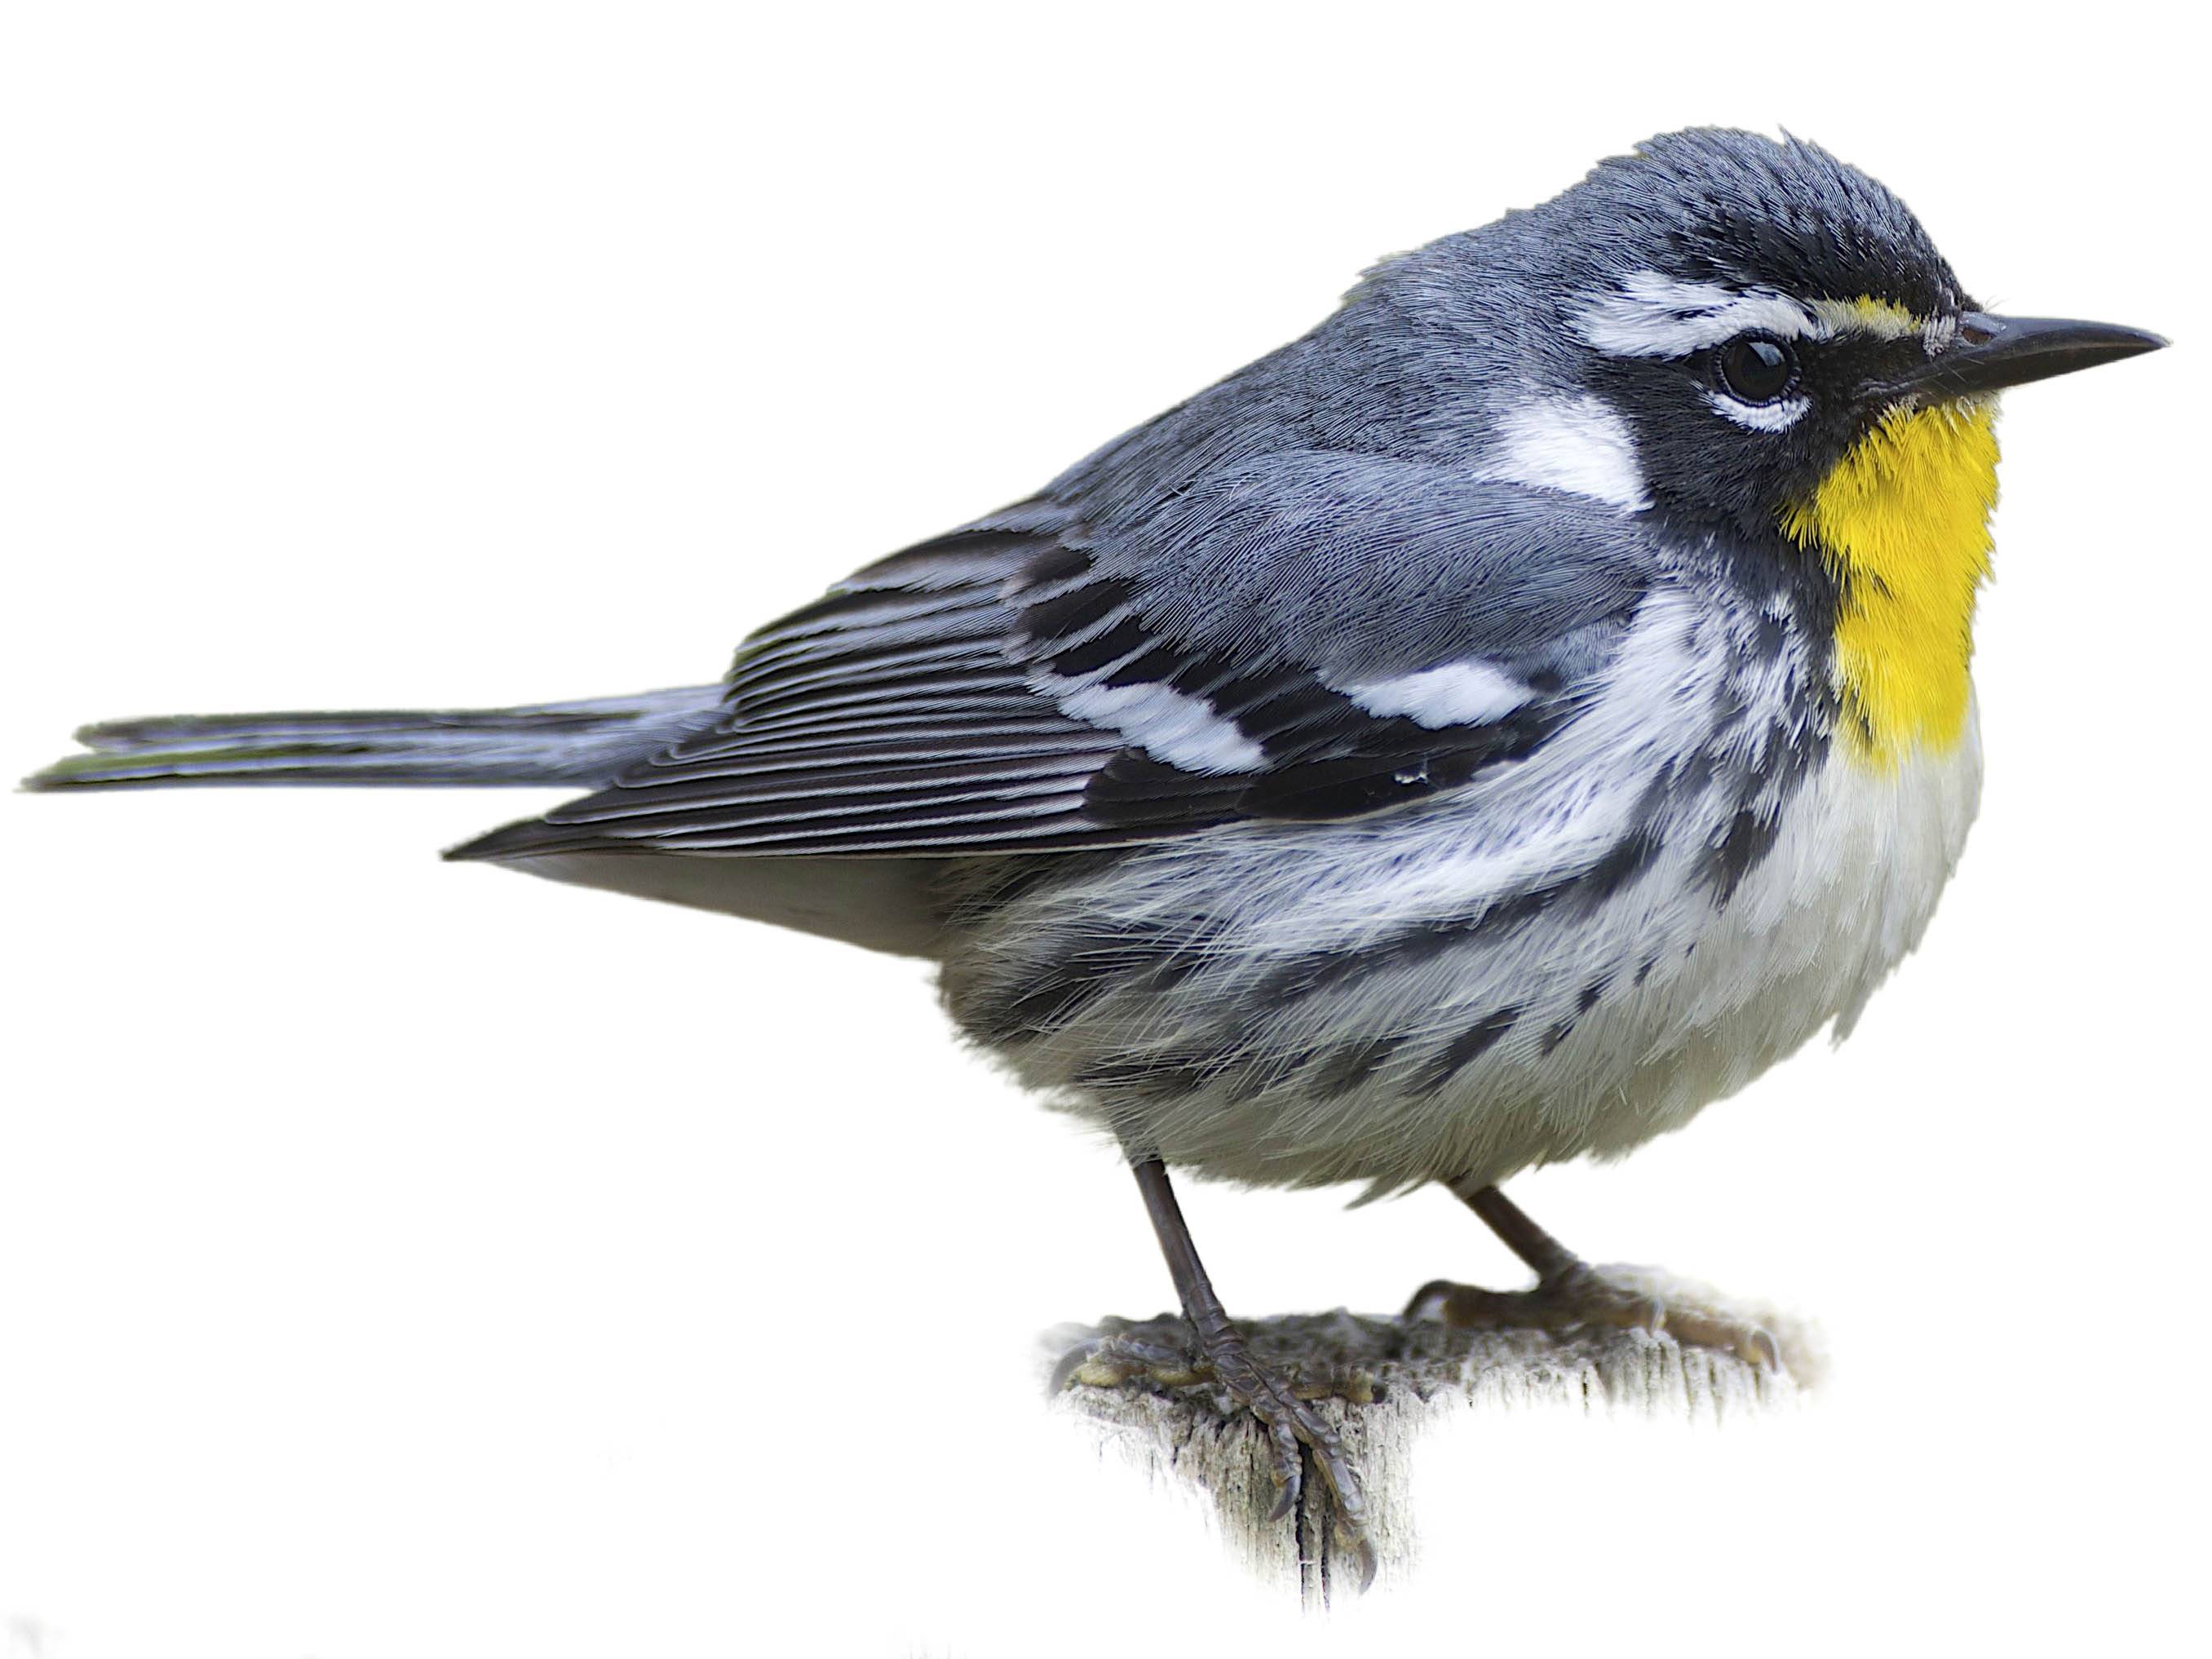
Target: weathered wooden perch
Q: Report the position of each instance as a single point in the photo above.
(1381, 1382)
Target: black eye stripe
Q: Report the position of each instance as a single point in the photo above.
(1755, 369)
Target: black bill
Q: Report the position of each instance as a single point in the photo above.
(1992, 353)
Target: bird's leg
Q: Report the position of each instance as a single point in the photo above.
(1569, 1293)
(1291, 1424)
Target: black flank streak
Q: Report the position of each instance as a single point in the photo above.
(1771, 635)
(1251, 1080)
(1525, 906)
(1694, 770)
(1468, 1047)
(1349, 1065)
(1629, 858)
(1154, 1077)
(1748, 839)
(1578, 896)
(1156, 958)
(1728, 706)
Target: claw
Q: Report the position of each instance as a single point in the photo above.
(1428, 1302)
(1755, 1345)
(1364, 1548)
(1770, 1351)
(1290, 1477)
(1069, 1363)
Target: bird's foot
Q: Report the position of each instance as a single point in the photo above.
(1578, 1297)
(1294, 1429)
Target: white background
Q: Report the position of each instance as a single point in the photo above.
(408, 1260)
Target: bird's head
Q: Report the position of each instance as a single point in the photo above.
(1757, 312)
(1745, 335)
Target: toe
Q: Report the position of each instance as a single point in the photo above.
(1282, 1452)
(1336, 1469)
(1108, 1362)
(1695, 1327)
(1429, 1301)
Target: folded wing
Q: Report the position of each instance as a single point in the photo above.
(1307, 636)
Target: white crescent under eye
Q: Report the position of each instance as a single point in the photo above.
(1777, 417)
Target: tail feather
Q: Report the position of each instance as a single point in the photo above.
(554, 743)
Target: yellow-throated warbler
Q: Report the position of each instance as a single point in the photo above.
(1481, 732)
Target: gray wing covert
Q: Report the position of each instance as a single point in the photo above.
(1311, 636)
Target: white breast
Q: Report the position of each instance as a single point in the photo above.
(1301, 1005)
(1851, 883)
(1698, 1001)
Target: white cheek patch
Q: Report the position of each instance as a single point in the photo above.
(1471, 693)
(1572, 444)
(1167, 724)
(1651, 315)
(1777, 417)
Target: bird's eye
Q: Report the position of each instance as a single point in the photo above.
(1756, 369)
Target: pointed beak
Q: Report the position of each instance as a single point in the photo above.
(1991, 353)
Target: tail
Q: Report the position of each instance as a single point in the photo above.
(552, 743)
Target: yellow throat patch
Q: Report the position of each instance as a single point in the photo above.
(1902, 520)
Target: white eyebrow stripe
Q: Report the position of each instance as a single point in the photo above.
(1469, 693)
(1652, 315)
(1777, 417)
(1572, 444)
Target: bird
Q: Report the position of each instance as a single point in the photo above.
(1480, 733)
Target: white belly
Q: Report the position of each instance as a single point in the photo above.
(1851, 883)
(1626, 1019)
